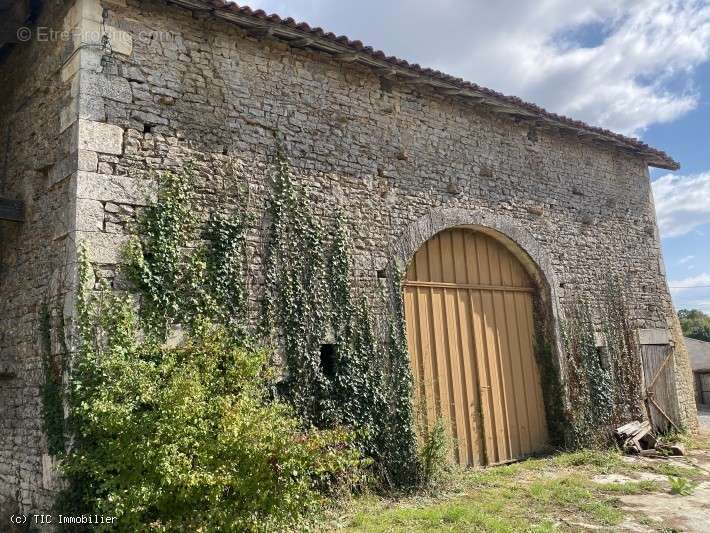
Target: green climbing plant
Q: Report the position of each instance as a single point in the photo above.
(603, 366)
(187, 271)
(52, 388)
(185, 435)
(309, 299)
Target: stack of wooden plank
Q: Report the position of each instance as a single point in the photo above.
(637, 438)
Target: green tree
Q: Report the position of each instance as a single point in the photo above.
(695, 324)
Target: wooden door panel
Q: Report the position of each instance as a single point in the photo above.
(705, 388)
(468, 305)
(658, 363)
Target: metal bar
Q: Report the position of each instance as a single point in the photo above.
(441, 285)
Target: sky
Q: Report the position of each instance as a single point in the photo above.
(637, 67)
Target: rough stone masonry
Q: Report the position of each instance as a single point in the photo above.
(122, 89)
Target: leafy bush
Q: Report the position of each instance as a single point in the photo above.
(186, 438)
(434, 453)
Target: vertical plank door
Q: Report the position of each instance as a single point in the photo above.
(469, 312)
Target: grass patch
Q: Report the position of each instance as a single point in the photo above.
(536, 495)
(674, 470)
(630, 487)
(574, 494)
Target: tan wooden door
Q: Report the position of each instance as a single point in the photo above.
(469, 309)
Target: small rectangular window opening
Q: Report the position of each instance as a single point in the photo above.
(328, 362)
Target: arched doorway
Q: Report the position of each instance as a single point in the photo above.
(469, 312)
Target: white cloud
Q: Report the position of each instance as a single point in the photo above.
(686, 259)
(632, 68)
(693, 282)
(682, 203)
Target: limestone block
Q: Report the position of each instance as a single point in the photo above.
(83, 10)
(100, 137)
(89, 215)
(116, 189)
(61, 170)
(106, 86)
(91, 32)
(91, 107)
(68, 115)
(62, 222)
(87, 160)
(103, 248)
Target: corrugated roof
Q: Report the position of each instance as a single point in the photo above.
(303, 35)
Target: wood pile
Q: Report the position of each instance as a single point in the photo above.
(637, 438)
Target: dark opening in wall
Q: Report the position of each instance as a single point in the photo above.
(328, 360)
(147, 128)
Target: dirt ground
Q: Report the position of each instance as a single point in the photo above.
(704, 419)
(668, 512)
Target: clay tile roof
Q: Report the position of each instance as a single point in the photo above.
(226, 9)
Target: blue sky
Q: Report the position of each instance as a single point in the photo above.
(639, 67)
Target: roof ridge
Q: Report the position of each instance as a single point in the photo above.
(655, 157)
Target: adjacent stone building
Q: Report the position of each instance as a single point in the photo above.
(99, 95)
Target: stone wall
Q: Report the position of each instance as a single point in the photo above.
(33, 254)
(170, 86)
(389, 153)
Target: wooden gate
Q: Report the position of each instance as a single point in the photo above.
(469, 309)
(659, 382)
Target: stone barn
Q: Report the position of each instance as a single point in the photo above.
(506, 219)
(699, 352)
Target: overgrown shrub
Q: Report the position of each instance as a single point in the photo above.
(434, 452)
(185, 435)
(186, 438)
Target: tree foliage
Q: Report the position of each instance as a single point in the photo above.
(695, 324)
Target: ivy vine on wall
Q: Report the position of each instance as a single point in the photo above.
(52, 387)
(603, 364)
(188, 289)
(309, 301)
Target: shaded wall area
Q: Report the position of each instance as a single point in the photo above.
(33, 254)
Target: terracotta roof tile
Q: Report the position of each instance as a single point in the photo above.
(659, 158)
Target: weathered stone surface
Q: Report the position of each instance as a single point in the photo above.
(87, 161)
(103, 248)
(33, 265)
(106, 86)
(89, 215)
(116, 189)
(100, 137)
